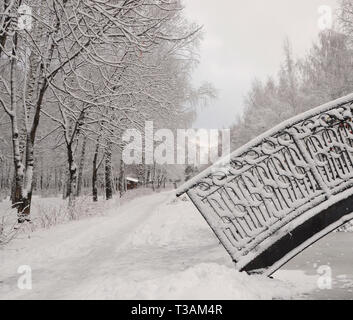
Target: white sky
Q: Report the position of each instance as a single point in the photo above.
(244, 40)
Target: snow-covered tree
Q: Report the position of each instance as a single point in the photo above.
(85, 64)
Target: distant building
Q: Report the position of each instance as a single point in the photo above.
(131, 183)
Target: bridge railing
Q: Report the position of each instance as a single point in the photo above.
(272, 184)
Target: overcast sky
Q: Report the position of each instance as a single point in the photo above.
(244, 40)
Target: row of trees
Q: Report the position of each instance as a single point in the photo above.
(83, 73)
(322, 75)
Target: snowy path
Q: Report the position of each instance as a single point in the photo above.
(151, 247)
(84, 249)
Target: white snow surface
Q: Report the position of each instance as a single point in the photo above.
(153, 247)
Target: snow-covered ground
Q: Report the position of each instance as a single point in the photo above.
(152, 247)
(331, 259)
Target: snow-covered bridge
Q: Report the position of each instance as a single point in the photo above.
(283, 191)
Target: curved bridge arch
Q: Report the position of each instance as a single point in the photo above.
(283, 191)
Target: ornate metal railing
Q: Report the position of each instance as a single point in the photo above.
(277, 182)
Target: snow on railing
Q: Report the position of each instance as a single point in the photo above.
(273, 180)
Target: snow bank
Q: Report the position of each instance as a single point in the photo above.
(201, 282)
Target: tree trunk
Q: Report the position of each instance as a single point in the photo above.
(94, 173)
(122, 184)
(154, 176)
(18, 197)
(24, 208)
(19, 169)
(148, 178)
(81, 166)
(71, 186)
(108, 172)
